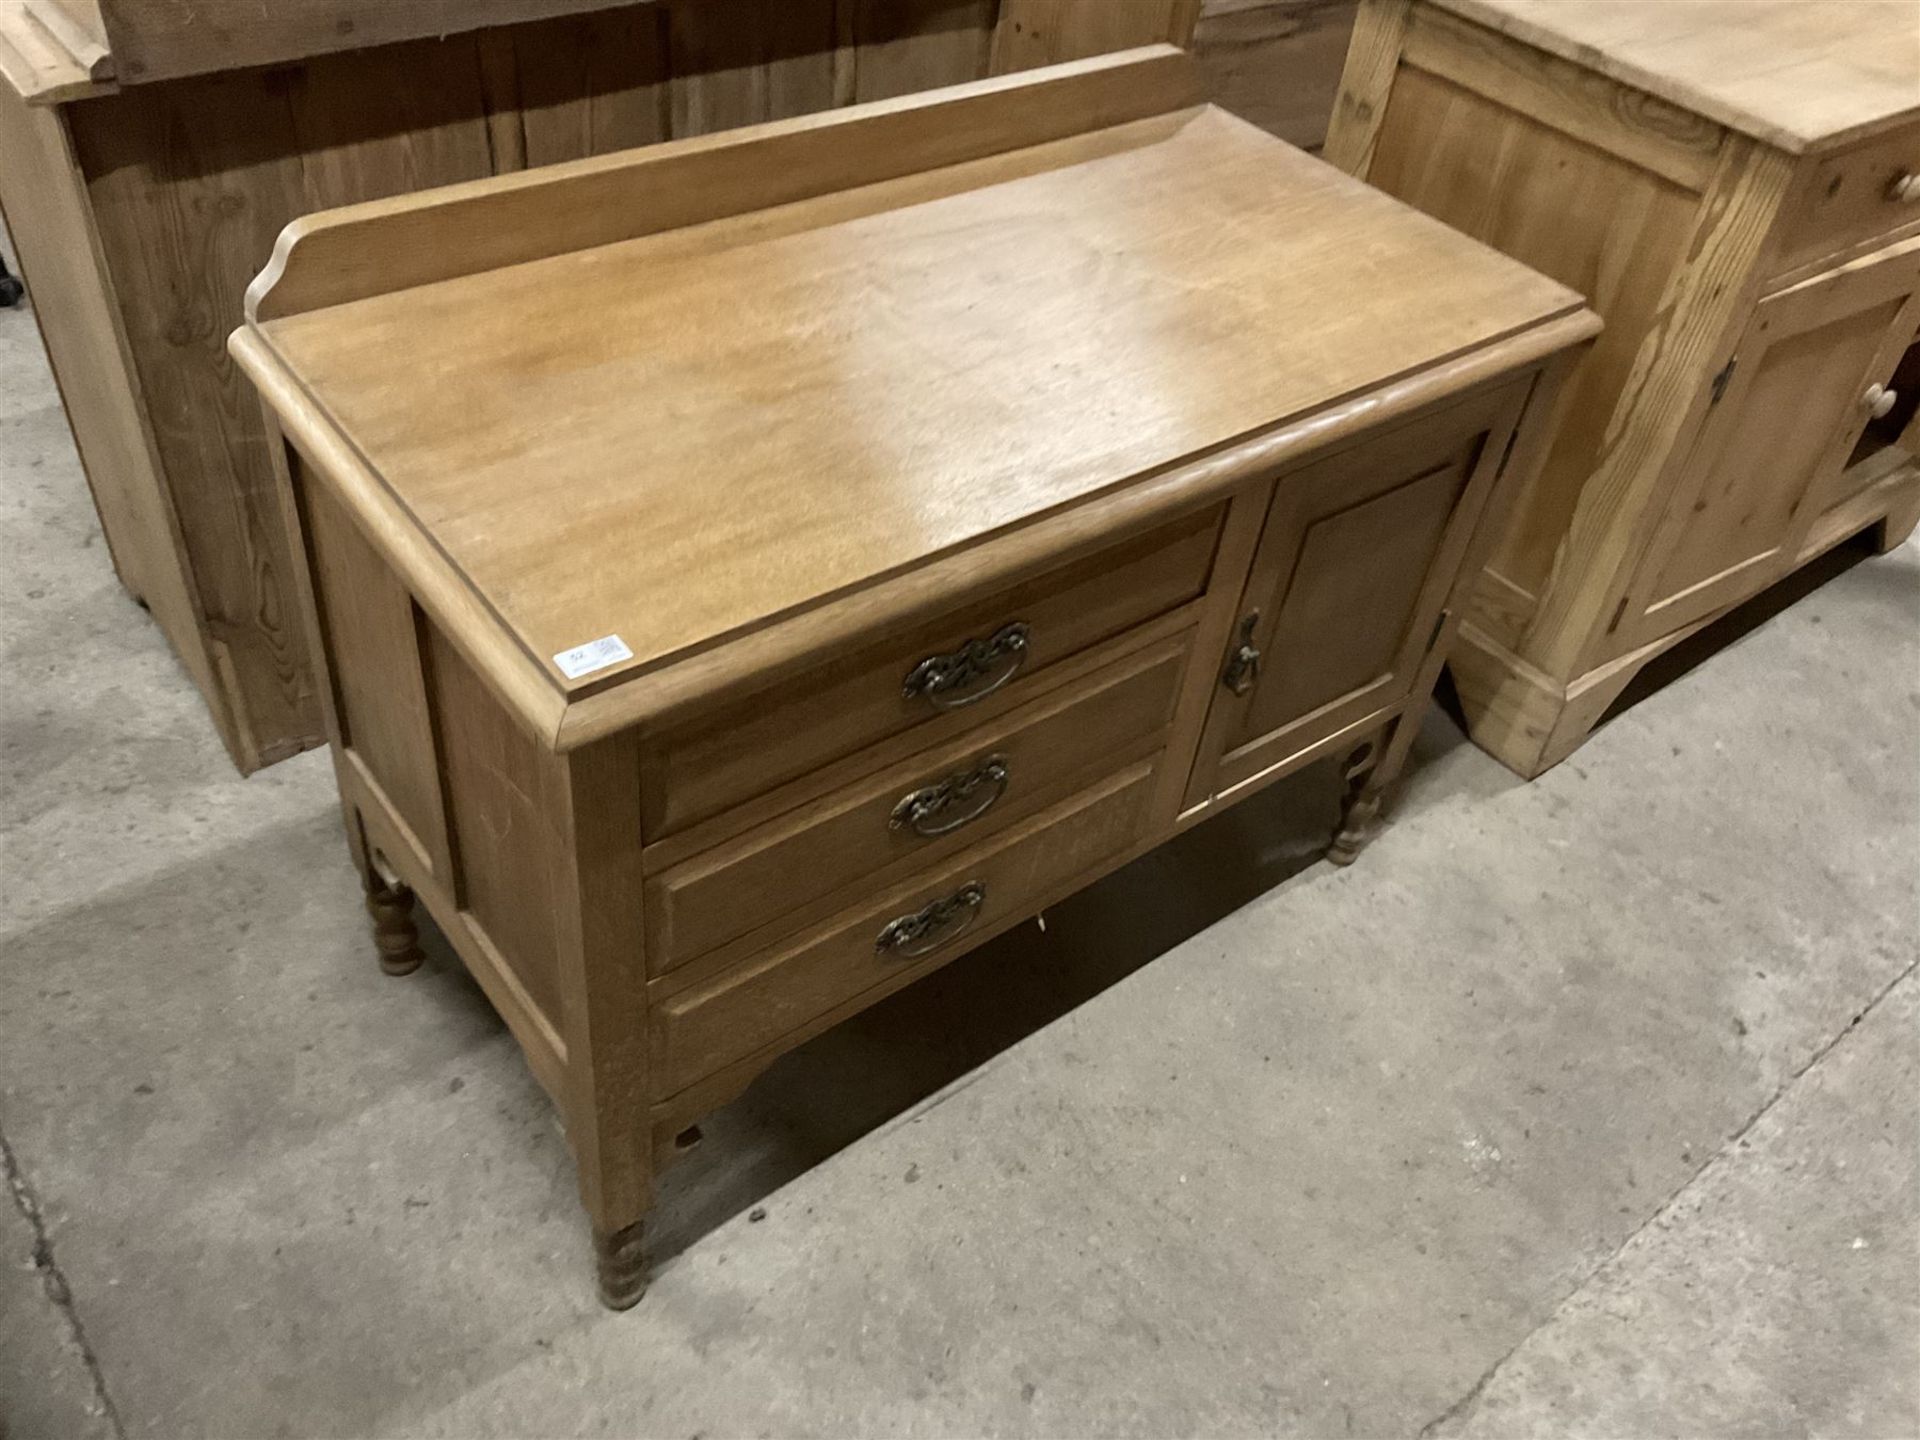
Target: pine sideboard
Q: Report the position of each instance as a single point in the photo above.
(751, 571)
(150, 151)
(1736, 185)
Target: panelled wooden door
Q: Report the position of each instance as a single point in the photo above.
(1356, 560)
(1792, 404)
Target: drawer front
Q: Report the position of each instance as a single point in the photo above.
(915, 813)
(1853, 198)
(912, 928)
(943, 676)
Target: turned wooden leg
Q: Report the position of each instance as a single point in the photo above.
(394, 935)
(620, 1263)
(1360, 808)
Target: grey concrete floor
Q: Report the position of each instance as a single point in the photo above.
(1580, 1108)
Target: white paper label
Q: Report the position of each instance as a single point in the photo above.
(592, 656)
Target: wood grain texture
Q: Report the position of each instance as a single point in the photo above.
(745, 62)
(78, 315)
(177, 233)
(602, 971)
(504, 811)
(805, 859)
(977, 445)
(38, 66)
(586, 86)
(1338, 637)
(1706, 436)
(75, 26)
(161, 39)
(189, 179)
(366, 250)
(1029, 33)
(900, 47)
(367, 621)
(1642, 130)
(1694, 329)
(1366, 83)
(704, 856)
(760, 739)
(1600, 224)
(1777, 440)
(1275, 63)
(1798, 76)
(1848, 200)
(189, 183)
(702, 1028)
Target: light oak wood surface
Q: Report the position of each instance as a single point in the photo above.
(1004, 387)
(933, 504)
(1753, 263)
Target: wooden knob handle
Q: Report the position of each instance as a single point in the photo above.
(1880, 401)
(1905, 188)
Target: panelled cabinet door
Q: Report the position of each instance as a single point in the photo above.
(1355, 563)
(1798, 393)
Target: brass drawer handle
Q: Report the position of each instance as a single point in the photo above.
(1905, 188)
(947, 681)
(943, 807)
(1879, 401)
(934, 925)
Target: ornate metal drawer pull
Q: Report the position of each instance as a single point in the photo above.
(943, 807)
(947, 681)
(1243, 665)
(929, 928)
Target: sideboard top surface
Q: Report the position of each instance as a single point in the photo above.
(1800, 74)
(677, 438)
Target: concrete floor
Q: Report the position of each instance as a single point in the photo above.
(1580, 1108)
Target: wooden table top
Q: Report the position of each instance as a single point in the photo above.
(1801, 74)
(677, 438)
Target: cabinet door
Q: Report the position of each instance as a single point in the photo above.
(1793, 402)
(1345, 594)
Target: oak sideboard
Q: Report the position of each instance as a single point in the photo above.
(151, 150)
(1736, 186)
(751, 571)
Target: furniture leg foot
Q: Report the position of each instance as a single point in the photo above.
(620, 1265)
(1360, 809)
(1900, 522)
(394, 935)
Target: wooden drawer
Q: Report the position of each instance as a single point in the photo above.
(709, 1025)
(1851, 199)
(915, 813)
(943, 676)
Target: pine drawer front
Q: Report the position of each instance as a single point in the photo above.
(914, 813)
(1851, 199)
(914, 927)
(944, 677)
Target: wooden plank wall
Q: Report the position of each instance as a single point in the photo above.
(191, 179)
(1275, 62)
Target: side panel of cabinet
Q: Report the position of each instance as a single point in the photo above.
(460, 803)
(1599, 222)
(1792, 404)
(1344, 596)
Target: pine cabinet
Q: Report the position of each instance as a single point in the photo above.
(1735, 184)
